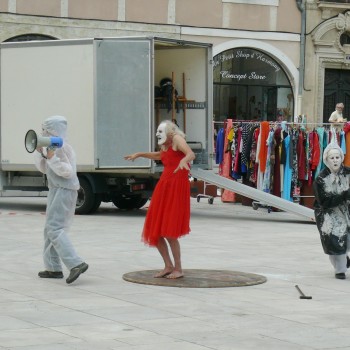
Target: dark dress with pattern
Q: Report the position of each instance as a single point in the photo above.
(332, 209)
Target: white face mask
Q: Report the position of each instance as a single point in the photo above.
(161, 134)
(334, 160)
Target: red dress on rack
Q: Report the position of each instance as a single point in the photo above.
(169, 211)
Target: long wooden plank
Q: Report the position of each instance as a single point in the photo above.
(253, 193)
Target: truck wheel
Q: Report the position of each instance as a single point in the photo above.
(87, 201)
(129, 202)
(97, 203)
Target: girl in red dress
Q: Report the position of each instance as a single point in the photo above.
(168, 216)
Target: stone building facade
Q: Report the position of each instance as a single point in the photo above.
(326, 79)
(256, 43)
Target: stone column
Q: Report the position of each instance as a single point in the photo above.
(171, 11)
(64, 8)
(12, 6)
(121, 10)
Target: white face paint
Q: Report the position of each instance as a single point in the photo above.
(334, 160)
(161, 134)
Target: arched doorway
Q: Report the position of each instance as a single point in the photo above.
(250, 85)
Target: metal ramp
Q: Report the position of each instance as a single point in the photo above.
(253, 193)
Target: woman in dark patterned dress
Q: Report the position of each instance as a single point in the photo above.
(332, 199)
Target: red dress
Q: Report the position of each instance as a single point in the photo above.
(169, 211)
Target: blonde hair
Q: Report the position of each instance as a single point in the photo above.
(172, 129)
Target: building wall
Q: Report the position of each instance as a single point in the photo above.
(39, 7)
(273, 26)
(325, 22)
(91, 9)
(152, 11)
(206, 13)
(272, 15)
(4, 5)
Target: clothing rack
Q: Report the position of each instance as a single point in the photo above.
(306, 126)
(276, 122)
(206, 184)
(311, 123)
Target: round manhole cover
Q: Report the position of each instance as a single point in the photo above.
(198, 279)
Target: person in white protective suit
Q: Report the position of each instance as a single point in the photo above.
(59, 165)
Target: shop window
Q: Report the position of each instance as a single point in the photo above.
(250, 85)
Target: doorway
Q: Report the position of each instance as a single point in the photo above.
(336, 89)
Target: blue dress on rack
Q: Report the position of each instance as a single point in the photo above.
(220, 146)
(287, 177)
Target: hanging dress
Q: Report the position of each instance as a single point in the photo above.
(267, 179)
(347, 144)
(169, 212)
(287, 179)
(276, 190)
(225, 170)
(320, 166)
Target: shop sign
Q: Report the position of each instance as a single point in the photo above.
(239, 77)
(253, 56)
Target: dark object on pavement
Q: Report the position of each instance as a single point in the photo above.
(302, 295)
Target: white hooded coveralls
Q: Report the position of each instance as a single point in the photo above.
(63, 184)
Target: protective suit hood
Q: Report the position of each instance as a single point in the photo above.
(330, 147)
(56, 126)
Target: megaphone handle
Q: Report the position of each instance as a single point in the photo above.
(42, 154)
(50, 151)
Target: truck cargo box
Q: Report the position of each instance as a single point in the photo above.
(106, 89)
(114, 92)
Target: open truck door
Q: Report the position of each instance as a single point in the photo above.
(123, 93)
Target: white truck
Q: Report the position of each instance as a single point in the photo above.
(105, 87)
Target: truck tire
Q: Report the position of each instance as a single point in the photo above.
(97, 203)
(87, 201)
(125, 202)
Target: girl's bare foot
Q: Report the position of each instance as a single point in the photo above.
(175, 274)
(164, 273)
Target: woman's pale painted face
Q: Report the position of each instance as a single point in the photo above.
(161, 134)
(334, 160)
